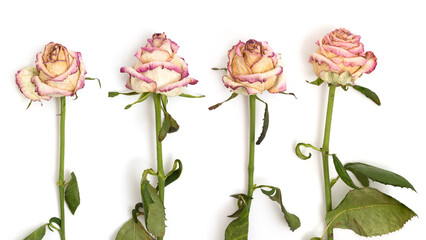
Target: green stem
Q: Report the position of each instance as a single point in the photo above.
(61, 181)
(325, 152)
(160, 170)
(252, 101)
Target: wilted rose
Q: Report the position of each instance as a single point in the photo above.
(341, 59)
(58, 72)
(253, 67)
(159, 69)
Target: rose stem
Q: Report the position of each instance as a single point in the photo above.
(160, 170)
(325, 152)
(61, 182)
(252, 101)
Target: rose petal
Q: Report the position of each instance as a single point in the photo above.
(135, 74)
(162, 76)
(168, 89)
(83, 72)
(281, 85)
(154, 55)
(71, 70)
(369, 66)
(261, 77)
(23, 79)
(140, 86)
(45, 90)
(152, 65)
(320, 59)
(238, 87)
(338, 51)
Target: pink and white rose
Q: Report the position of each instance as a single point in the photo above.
(254, 67)
(58, 72)
(158, 69)
(341, 59)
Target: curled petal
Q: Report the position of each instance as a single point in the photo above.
(261, 77)
(71, 70)
(177, 85)
(320, 59)
(182, 64)
(41, 67)
(354, 62)
(152, 65)
(154, 55)
(162, 76)
(238, 87)
(23, 79)
(369, 66)
(135, 74)
(281, 85)
(45, 90)
(338, 51)
(83, 72)
(140, 86)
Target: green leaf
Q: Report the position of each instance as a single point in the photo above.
(224, 69)
(368, 93)
(142, 98)
(72, 194)
(155, 215)
(174, 126)
(361, 178)
(37, 234)
(218, 104)
(238, 228)
(242, 203)
(299, 152)
(133, 231)
(114, 94)
(369, 212)
(265, 123)
(275, 195)
(317, 82)
(378, 174)
(342, 172)
(55, 220)
(175, 173)
(190, 96)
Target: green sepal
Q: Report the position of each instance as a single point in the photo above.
(369, 212)
(216, 69)
(343, 174)
(72, 194)
(299, 152)
(289, 93)
(233, 95)
(317, 82)
(238, 228)
(37, 234)
(29, 104)
(142, 98)
(275, 195)
(190, 96)
(114, 94)
(154, 211)
(362, 171)
(99, 81)
(368, 93)
(175, 173)
(133, 231)
(265, 122)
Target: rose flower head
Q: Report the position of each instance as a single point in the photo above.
(341, 59)
(58, 72)
(158, 69)
(254, 67)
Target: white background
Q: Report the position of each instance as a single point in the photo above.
(109, 147)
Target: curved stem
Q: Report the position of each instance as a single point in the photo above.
(325, 151)
(61, 181)
(160, 170)
(252, 101)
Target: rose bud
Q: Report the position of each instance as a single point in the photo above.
(58, 72)
(341, 59)
(158, 69)
(253, 67)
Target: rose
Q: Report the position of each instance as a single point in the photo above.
(341, 59)
(58, 72)
(158, 69)
(253, 67)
